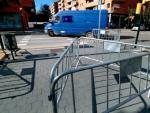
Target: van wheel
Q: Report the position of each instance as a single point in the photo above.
(88, 34)
(50, 33)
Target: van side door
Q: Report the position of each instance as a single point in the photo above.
(66, 24)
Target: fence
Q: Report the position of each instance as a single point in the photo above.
(95, 75)
(106, 34)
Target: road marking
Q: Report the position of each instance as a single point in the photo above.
(22, 45)
(24, 41)
(27, 37)
(70, 40)
(40, 38)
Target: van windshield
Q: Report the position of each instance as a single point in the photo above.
(55, 19)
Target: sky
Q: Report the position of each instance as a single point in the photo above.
(39, 3)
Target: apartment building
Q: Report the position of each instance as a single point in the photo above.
(54, 8)
(118, 10)
(70, 4)
(61, 5)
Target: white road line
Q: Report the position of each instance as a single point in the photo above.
(27, 37)
(70, 40)
(24, 41)
(40, 38)
(22, 44)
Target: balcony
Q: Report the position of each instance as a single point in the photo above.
(74, 3)
(71, 4)
(120, 10)
(60, 4)
(119, 1)
(69, 1)
(92, 4)
(116, 6)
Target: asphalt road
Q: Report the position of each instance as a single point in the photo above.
(43, 41)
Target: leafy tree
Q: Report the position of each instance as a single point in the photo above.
(130, 18)
(147, 14)
(45, 12)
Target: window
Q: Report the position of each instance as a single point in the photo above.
(67, 19)
(103, 1)
(69, 3)
(88, 1)
(57, 18)
(108, 5)
(10, 21)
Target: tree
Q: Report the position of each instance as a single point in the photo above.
(45, 12)
(130, 18)
(146, 17)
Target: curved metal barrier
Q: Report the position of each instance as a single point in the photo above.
(95, 75)
(106, 34)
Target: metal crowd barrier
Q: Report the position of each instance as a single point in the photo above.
(106, 34)
(98, 76)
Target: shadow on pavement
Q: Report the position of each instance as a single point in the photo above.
(122, 79)
(17, 79)
(126, 37)
(144, 110)
(17, 76)
(40, 56)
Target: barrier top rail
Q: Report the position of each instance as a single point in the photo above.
(52, 75)
(65, 67)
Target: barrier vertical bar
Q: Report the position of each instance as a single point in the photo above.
(107, 89)
(1, 42)
(94, 108)
(130, 84)
(147, 71)
(54, 100)
(119, 87)
(73, 93)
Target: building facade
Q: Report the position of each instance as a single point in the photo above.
(54, 8)
(61, 5)
(118, 9)
(15, 14)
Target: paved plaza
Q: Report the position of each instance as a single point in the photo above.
(24, 82)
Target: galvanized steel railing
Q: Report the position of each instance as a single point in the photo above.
(91, 58)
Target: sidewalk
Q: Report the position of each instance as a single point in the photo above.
(24, 84)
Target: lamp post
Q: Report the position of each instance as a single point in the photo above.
(138, 12)
(99, 24)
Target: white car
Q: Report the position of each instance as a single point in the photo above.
(135, 28)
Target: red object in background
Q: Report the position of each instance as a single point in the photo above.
(20, 10)
(16, 9)
(26, 3)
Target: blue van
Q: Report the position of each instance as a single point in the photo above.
(76, 23)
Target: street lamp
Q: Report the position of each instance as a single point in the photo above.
(138, 12)
(99, 24)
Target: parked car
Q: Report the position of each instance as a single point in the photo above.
(135, 28)
(76, 22)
